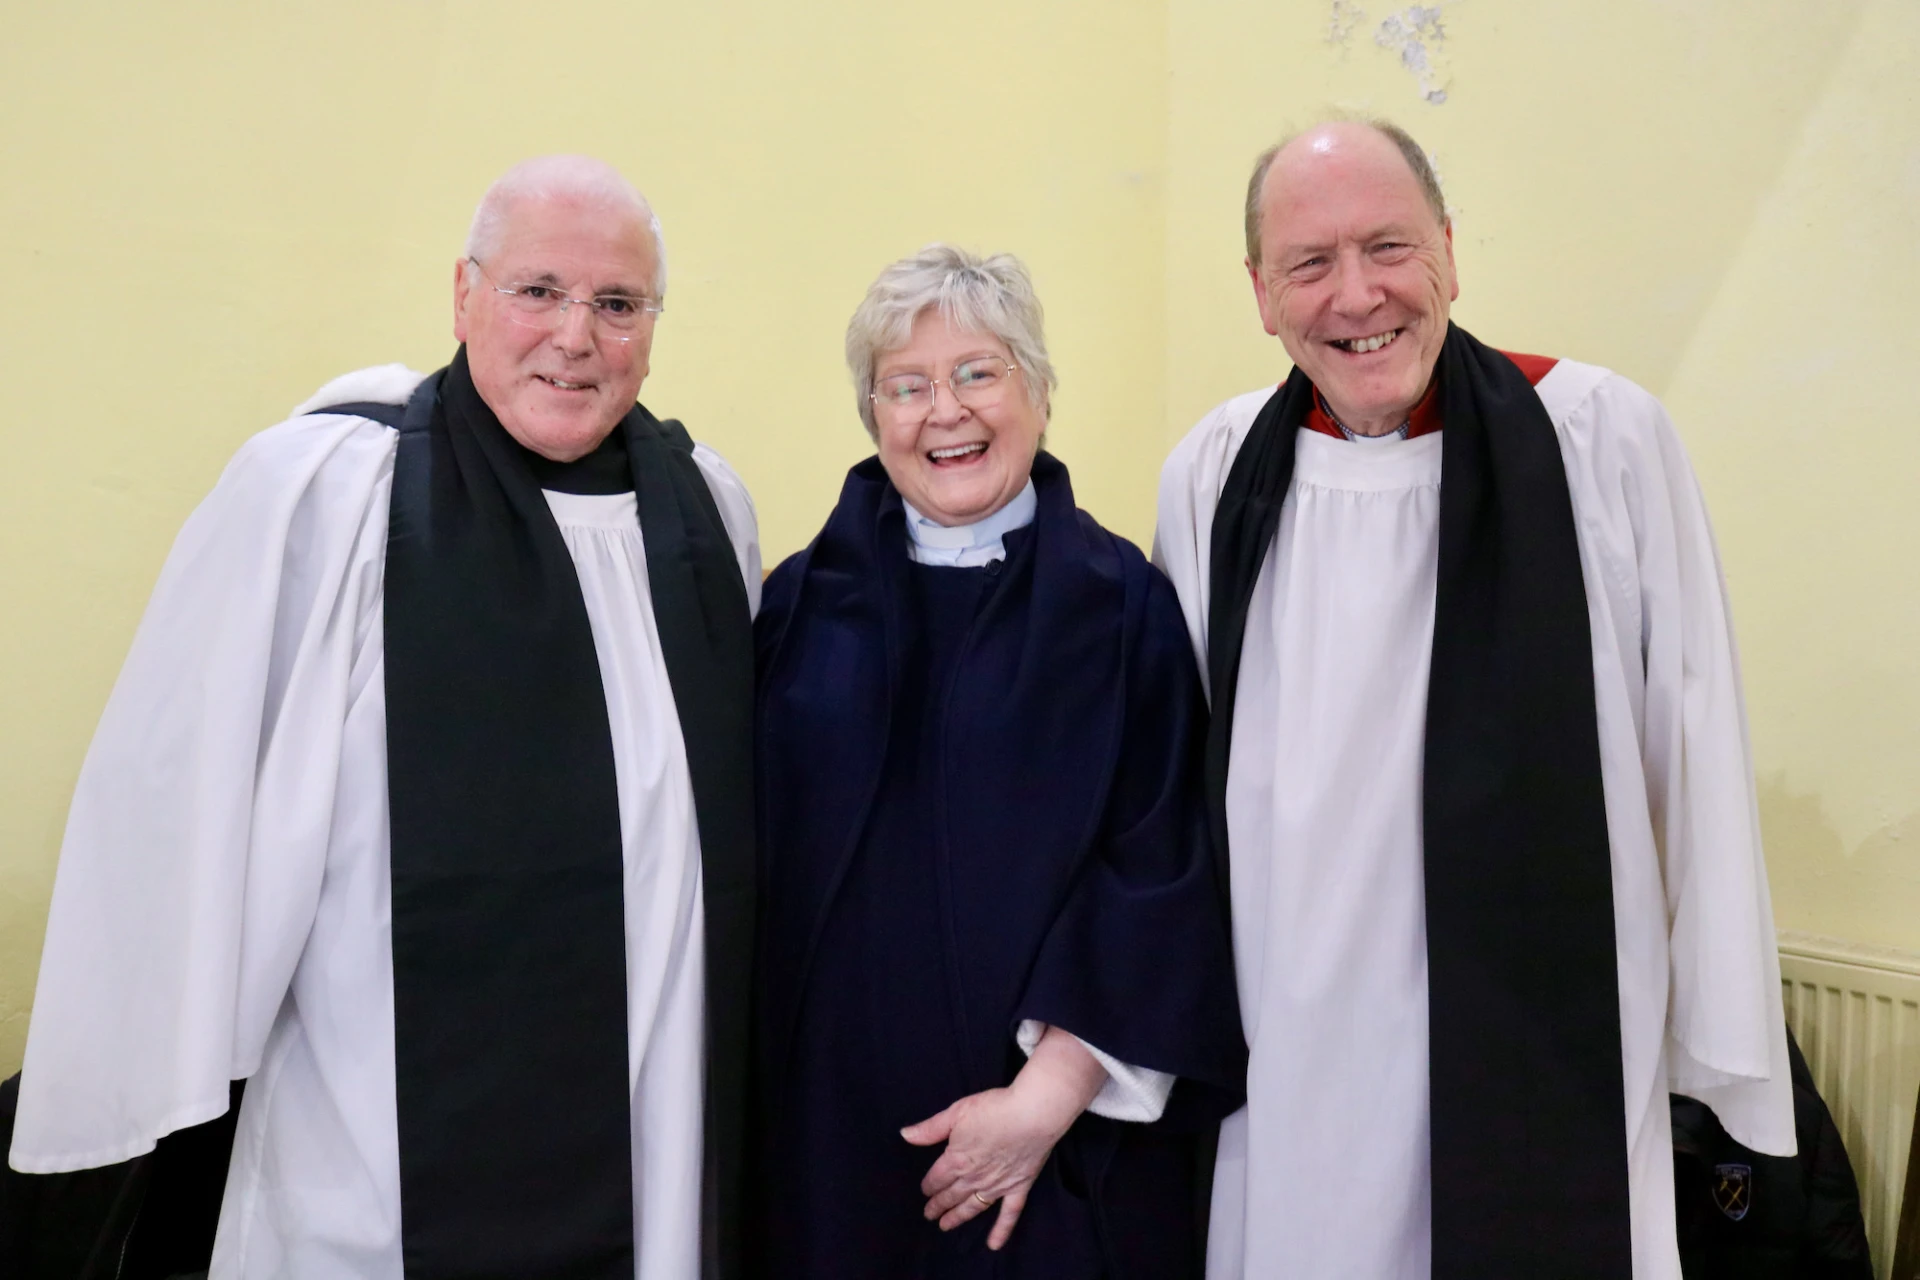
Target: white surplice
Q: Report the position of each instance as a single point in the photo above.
(1325, 1172)
(222, 905)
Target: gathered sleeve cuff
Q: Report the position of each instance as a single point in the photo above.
(1134, 1094)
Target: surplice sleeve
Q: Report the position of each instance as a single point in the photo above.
(1726, 1038)
(197, 836)
(1190, 485)
(737, 514)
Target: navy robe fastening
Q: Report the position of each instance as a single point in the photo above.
(979, 804)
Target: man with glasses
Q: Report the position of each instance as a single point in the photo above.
(423, 806)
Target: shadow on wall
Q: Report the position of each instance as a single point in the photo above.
(1864, 893)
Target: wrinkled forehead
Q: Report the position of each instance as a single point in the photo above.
(1326, 199)
(575, 243)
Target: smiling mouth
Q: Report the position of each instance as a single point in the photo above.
(1363, 346)
(562, 384)
(956, 454)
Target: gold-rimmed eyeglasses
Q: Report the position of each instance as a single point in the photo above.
(978, 383)
(540, 306)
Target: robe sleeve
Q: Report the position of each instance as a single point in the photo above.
(1190, 485)
(1135, 1094)
(1726, 1037)
(738, 515)
(1138, 961)
(197, 837)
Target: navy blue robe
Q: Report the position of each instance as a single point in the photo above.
(979, 803)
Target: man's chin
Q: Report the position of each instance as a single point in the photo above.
(562, 438)
(1374, 397)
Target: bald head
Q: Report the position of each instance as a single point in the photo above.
(580, 181)
(1380, 139)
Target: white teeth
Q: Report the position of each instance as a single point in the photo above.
(1361, 346)
(565, 385)
(956, 451)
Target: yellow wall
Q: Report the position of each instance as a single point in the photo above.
(208, 209)
(1718, 198)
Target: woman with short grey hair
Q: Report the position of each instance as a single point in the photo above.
(990, 920)
(985, 295)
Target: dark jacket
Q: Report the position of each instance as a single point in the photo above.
(1747, 1216)
(148, 1218)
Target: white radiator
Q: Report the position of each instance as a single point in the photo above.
(1856, 1013)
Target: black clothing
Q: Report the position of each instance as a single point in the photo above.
(1747, 1216)
(145, 1219)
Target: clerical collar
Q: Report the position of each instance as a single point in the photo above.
(603, 471)
(966, 546)
(1424, 419)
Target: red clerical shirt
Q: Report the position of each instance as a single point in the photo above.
(1425, 417)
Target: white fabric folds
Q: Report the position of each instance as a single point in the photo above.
(1324, 1172)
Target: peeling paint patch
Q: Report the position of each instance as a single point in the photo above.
(1346, 18)
(1419, 37)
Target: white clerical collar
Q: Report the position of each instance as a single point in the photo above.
(967, 546)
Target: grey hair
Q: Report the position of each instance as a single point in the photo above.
(1416, 158)
(563, 177)
(987, 295)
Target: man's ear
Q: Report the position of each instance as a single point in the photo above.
(1260, 296)
(462, 289)
(1453, 271)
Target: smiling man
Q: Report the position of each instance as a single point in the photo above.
(423, 805)
(1477, 770)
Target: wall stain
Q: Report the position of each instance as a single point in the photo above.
(1867, 891)
(1347, 18)
(1415, 35)
(1418, 36)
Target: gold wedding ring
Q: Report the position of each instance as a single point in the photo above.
(984, 1202)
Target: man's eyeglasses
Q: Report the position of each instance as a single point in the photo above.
(541, 306)
(977, 384)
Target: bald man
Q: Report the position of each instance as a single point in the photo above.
(1477, 768)
(423, 805)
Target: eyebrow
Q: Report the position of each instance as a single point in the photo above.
(1386, 231)
(981, 354)
(548, 280)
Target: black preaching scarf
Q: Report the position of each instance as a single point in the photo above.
(509, 935)
(1528, 1119)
